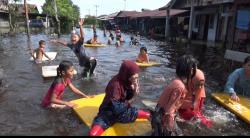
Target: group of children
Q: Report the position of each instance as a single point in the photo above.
(184, 96)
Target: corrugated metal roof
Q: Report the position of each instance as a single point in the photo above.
(157, 13)
(127, 14)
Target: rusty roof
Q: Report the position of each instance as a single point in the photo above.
(123, 14)
(157, 13)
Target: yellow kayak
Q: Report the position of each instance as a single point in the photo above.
(88, 108)
(150, 64)
(94, 45)
(241, 109)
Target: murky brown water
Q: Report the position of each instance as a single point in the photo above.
(24, 88)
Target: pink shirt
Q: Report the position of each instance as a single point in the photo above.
(171, 100)
(143, 57)
(58, 89)
(189, 102)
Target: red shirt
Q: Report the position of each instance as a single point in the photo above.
(58, 89)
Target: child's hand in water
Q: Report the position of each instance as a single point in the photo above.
(71, 105)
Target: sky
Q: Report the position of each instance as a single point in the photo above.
(110, 6)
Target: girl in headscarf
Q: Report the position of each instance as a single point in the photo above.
(116, 106)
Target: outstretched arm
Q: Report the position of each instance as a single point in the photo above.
(76, 91)
(81, 23)
(62, 42)
(46, 55)
(32, 52)
(58, 101)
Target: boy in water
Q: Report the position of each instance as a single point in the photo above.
(38, 53)
(88, 63)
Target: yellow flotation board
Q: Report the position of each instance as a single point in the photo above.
(94, 45)
(150, 64)
(241, 109)
(88, 108)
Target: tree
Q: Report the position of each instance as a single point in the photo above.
(90, 20)
(12, 14)
(67, 11)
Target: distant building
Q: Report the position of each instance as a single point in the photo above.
(209, 20)
(4, 13)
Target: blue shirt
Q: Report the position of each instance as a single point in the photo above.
(80, 53)
(238, 82)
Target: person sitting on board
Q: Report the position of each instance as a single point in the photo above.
(134, 41)
(191, 108)
(239, 81)
(88, 63)
(164, 117)
(116, 106)
(143, 56)
(53, 98)
(38, 53)
(94, 40)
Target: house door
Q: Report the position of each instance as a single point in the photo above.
(206, 27)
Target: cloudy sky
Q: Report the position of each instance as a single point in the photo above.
(110, 6)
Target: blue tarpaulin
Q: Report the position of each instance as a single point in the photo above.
(243, 19)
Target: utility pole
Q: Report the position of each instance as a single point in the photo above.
(57, 19)
(125, 5)
(27, 18)
(96, 6)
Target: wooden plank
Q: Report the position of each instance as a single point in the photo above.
(236, 55)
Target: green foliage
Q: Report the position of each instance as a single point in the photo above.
(90, 20)
(67, 11)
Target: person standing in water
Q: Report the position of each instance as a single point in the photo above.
(191, 108)
(88, 63)
(38, 53)
(164, 117)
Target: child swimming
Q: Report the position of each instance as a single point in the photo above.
(93, 40)
(143, 56)
(40, 52)
(53, 98)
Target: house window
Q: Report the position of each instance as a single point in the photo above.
(211, 21)
(197, 21)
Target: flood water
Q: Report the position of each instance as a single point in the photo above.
(24, 88)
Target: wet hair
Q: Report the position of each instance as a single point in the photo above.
(132, 38)
(64, 66)
(95, 36)
(144, 49)
(42, 42)
(184, 67)
(247, 59)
